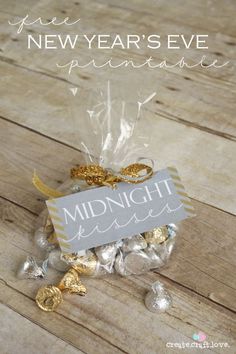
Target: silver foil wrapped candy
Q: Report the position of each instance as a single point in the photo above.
(120, 266)
(30, 269)
(167, 249)
(158, 299)
(154, 257)
(56, 261)
(106, 254)
(135, 243)
(137, 262)
(41, 239)
(103, 269)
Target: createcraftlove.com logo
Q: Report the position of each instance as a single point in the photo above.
(199, 342)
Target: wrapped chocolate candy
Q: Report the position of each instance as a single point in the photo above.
(49, 297)
(86, 265)
(154, 257)
(157, 235)
(158, 298)
(43, 239)
(134, 243)
(120, 267)
(137, 262)
(56, 261)
(112, 160)
(30, 269)
(106, 254)
(167, 249)
(72, 283)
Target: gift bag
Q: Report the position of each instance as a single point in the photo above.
(108, 131)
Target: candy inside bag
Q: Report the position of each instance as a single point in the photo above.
(110, 135)
(134, 255)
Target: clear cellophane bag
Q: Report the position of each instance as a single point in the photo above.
(107, 130)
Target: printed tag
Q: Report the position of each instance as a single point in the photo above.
(101, 215)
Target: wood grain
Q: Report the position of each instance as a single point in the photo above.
(205, 255)
(205, 251)
(22, 152)
(193, 127)
(201, 86)
(19, 332)
(214, 15)
(112, 314)
(211, 232)
(192, 151)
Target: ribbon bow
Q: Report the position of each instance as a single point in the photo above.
(97, 175)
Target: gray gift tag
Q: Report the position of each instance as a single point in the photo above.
(101, 215)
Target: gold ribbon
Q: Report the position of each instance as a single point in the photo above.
(97, 175)
(44, 189)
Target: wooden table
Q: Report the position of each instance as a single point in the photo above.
(192, 123)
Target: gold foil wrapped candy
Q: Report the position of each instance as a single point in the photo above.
(72, 283)
(48, 298)
(134, 255)
(71, 258)
(86, 265)
(157, 235)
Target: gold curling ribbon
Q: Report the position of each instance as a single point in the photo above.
(44, 189)
(97, 175)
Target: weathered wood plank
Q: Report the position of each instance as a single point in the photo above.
(193, 152)
(13, 7)
(60, 326)
(22, 151)
(184, 95)
(204, 259)
(17, 237)
(205, 251)
(16, 186)
(211, 16)
(205, 255)
(21, 336)
(140, 331)
(113, 313)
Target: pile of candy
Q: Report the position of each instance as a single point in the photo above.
(135, 255)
